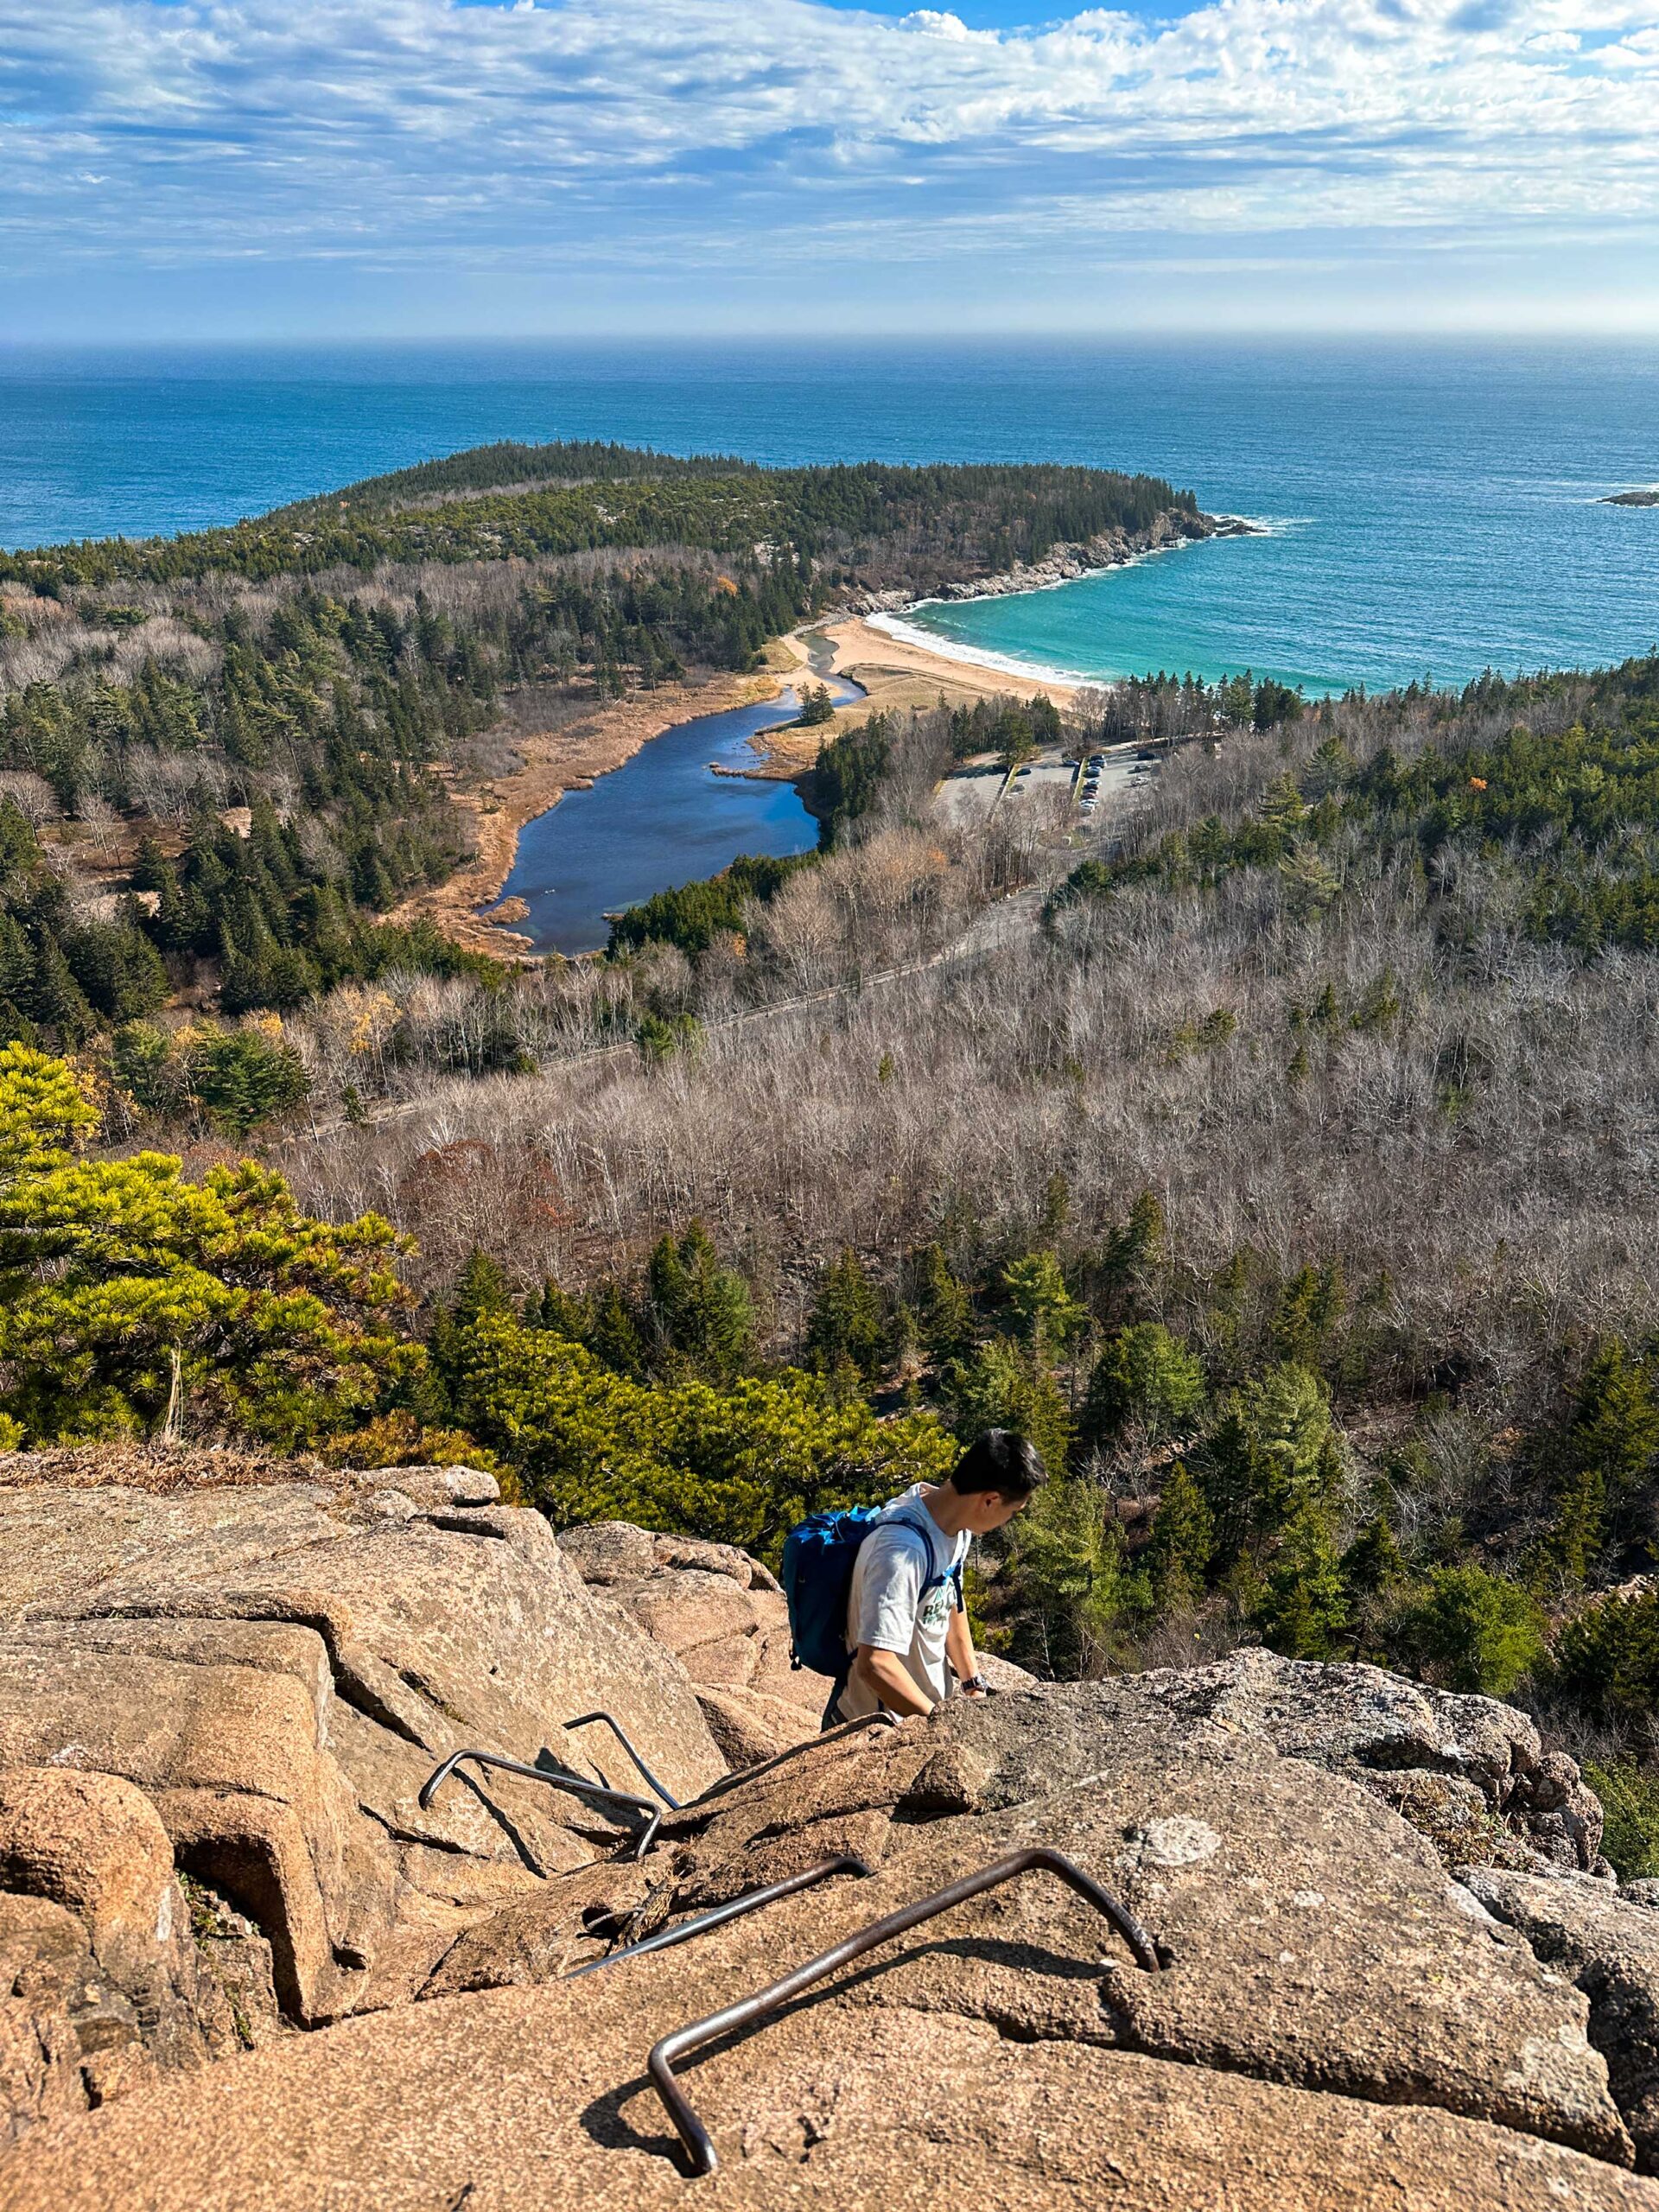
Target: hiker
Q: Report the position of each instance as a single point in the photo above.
(905, 1621)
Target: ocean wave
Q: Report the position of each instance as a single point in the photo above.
(948, 648)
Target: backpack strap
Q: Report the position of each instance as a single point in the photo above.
(931, 1581)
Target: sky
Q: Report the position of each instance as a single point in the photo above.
(562, 168)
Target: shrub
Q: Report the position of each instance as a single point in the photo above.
(1630, 1798)
(741, 1464)
(128, 1294)
(1467, 1630)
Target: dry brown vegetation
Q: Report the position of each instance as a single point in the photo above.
(1488, 1226)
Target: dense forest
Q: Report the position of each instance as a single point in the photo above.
(225, 758)
(851, 523)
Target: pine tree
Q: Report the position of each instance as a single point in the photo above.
(1133, 1252)
(1304, 1609)
(1144, 1379)
(943, 1306)
(845, 1322)
(1001, 1385)
(1069, 1589)
(480, 1288)
(555, 1309)
(1616, 1423)
(1181, 1545)
(1310, 1306)
(56, 999)
(704, 1312)
(1046, 1316)
(614, 1337)
(124, 1280)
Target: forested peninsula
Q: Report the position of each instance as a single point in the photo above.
(241, 746)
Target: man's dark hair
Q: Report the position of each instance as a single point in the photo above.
(999, 1459)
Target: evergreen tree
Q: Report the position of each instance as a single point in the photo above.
(704, 1314)
(1144, 1379)
(613, 1337)
(845, 1322)
(1001, 1385)
(1471, 1631)
(56, 1000)
(1304, 1609)
(1373, 1573)
(555, 1309)
(1045, 1315)
(480, 1288)
(132, 1295)
(1132, 1253)
(1182, 1543)
(943, 1306)
(1310, 1309)
(1273, 1453)
(1616, 1425)
(1069, 1591)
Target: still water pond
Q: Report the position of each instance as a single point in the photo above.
(662, 819)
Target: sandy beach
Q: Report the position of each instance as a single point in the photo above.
(894, 674)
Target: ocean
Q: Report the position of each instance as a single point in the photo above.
(1429, 511)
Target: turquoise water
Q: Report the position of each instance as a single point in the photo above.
(1434, 507)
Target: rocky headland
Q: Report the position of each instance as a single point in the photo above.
(243, 1964)
(1645, 498)
(1065, 564)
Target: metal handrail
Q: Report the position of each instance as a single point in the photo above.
(600, 1793)
(717, 1915)
(743, 1774)
(583, 1720)
(690, 2129)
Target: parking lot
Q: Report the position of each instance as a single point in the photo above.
(1097, 786)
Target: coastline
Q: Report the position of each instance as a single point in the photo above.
(1061, 683)
(1069, 562)
(895, 671)
(895, 667)
(1066, 564)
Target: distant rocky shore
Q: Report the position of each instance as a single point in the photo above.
(1649, 498)
(1063, 564)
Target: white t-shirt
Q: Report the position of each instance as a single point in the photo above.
(887, 1608)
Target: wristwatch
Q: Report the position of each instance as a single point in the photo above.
(977, 1683)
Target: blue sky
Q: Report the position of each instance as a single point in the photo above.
(241, 168)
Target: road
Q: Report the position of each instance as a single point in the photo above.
(1009, 922)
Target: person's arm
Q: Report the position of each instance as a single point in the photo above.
(888, 1679)
(889, 1590)
(959, 1650)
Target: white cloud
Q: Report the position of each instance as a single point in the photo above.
(683, 127)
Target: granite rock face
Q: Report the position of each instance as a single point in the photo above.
(1471, 1773)
(723, 1616)
(218, 1702)
(1335, 2023)
(1610, 1949)
(264, 1670)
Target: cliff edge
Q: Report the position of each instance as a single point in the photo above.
(243, 1964)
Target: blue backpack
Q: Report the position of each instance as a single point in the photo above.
(818, 1578)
